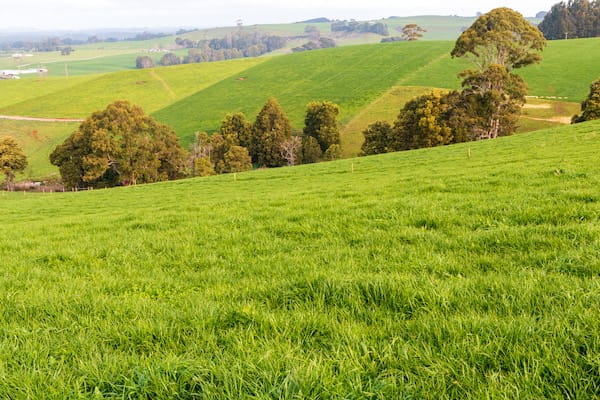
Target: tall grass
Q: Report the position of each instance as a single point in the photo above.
(424, 274)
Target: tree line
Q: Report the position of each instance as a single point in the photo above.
(121, 145)
(572, 19)
(235, 45)
(353, 26)
(268, 141)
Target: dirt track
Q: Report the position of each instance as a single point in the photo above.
(20, 118)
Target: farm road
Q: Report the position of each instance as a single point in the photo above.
(21, 118)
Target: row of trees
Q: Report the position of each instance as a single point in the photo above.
(268, 141)
(121, 145)
(572, 19)
(490, 102)
(353, 26)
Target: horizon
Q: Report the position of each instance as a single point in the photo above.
(73, 15)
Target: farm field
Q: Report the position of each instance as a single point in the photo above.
(422, 274)
(196, 97)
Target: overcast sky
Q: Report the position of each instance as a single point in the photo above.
(80, 14)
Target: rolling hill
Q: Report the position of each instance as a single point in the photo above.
(359, 78)
(409, 275)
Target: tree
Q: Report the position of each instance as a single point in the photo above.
(412, 32)
(200, 160)
(558, 23)
(66, 51)
(378, 138)
(497, 43)
(291, 150)
(502, 37)
(493, 100)
(590, 107)
(422, 123)
(320, 123)
(311, 151)
(12, 160)
(271, 128)
(236, 129)
(574, 19)
(237, 159)
(170, 59)
(119, 145)
(142, 62)
(333, 152)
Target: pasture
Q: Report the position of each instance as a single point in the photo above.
(422, 274)
(367, 81)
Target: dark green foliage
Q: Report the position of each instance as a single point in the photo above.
(12, 160)
(333, 152)
(423, 122)
(311, 151)
(235, 45)
(590, 108)
(497, 42)
(378, 139)
(501, 37)
(321, 123)
(573, 19)
(270, 130)
(236, 129)
(493, 100)
(236, 159)
(119, 145)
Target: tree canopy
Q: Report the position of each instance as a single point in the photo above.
(119, 145)
(321, 123)
(412, 32)
(573, 19)
(12, 160)
(270, 130)
(502, 37)
(590, 107)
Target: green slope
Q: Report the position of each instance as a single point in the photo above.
(423, 274)
(359, 78)
(153, 89)
(351, 77)
(568, 69)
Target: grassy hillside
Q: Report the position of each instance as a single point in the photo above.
(38, 139)
(568, 69)
(352, 77)
(423, 274)
(363, 80)
(153, 89)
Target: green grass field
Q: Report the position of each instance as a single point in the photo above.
(423, 274)
(38, 139)
(352, 77)
(361, 79)
(153, 89)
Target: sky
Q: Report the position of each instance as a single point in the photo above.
(83, 14)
